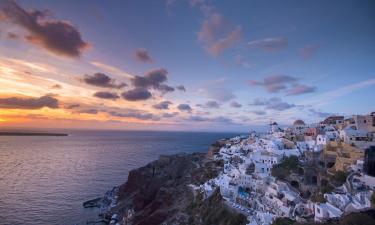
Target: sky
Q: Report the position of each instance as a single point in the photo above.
(190, 65)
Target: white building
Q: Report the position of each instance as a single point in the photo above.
(325, 211)
(261, 218)
(357, 137)
(366, 122)
(340, 201)
(324, 139)
(306, 145)
(227, 187)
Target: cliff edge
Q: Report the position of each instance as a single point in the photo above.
(162, 193)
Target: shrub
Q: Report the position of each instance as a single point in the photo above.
(327, 189)
(219, 163)
(373, 198)
(284, 168)
(213, 211)
(318, 198)
(339, 178)
(357, 219)
(283, 221)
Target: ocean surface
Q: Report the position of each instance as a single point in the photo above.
(45, 180)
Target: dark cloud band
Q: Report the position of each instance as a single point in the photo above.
(29, 102)
(57, 36)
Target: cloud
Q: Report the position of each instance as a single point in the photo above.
(102, 80)
(276, 83)
(136, 94)
(273, 103)
(273, 44)
(57, 36)
(217, 35)
(199, 118)
(162, 105)
(259, 102)
(142, 55)
(308, 51)
(259, 112)
(300, 89)
(226, 42)
(210, 28)
(12, 36)
(153, 79)
(320, 113)
(327, 97)
(205, 7)
(219, 119)
(111, 69)
(279, 106)
(89, 111)
(235, 104)
(165, 88)
(134, 114)
(169, 115)
(217, 90)
(72, 106)
(184, 107)
(210, 105)
(56, 86)
(29, 102)
(220, 94)
(106, 95)
(181, 88)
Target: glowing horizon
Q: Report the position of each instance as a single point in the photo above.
(107, 68)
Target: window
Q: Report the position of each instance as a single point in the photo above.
(364, 121)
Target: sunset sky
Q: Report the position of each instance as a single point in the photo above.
(184, 65)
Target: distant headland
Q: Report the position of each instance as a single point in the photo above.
(14, 133)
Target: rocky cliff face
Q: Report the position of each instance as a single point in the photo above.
(159, 192)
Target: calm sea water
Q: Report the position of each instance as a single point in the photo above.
(45, 180)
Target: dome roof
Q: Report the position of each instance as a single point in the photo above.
(298, 122)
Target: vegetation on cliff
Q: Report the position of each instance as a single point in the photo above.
(360, 218)
(160, 193)
(284, 169)
(213, 211)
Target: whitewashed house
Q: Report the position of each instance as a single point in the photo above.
(324, 211)
(338, 200)
(357, 137)
(324, 139)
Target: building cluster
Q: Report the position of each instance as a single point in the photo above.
(334, 146)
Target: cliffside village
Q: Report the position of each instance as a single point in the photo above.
(306, 172)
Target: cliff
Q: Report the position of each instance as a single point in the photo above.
(159, 193)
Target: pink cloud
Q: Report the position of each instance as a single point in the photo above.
(308, 51)
(217, 35)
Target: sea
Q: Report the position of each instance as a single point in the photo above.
(44, 180)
